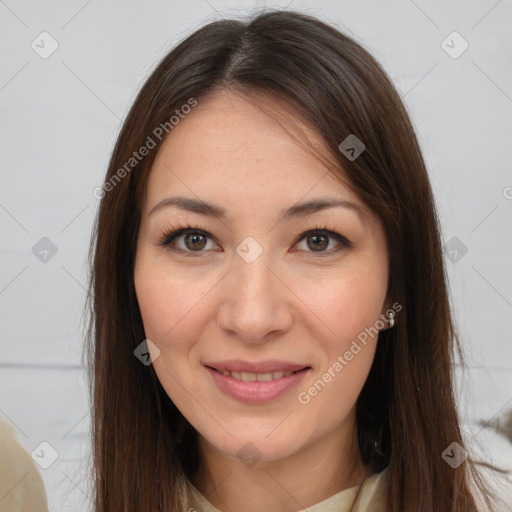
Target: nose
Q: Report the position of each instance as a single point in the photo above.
(255, 305)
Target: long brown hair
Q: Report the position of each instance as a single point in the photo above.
(406, 412)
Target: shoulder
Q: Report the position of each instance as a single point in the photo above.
(373, 493)
(20, 481)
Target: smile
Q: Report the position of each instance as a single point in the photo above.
(259, 383)
(251, 377)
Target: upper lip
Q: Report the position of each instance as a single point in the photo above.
(269, 366)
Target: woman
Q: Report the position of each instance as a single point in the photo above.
(271, 323)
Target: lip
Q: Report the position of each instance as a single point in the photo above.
(256, 392)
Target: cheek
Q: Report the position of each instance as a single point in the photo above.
(171, 314)
(155, 306)
(169, 306)
(334, 392)
(349, 307)
(346, 304)
(346, 359)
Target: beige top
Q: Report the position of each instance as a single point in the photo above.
(21, 485)
(371, 499)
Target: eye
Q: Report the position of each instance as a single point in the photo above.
(192, 241)
(318, 240)
(185, 239)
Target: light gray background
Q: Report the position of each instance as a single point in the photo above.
(59, 120)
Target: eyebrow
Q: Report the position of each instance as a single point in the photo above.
(297, 210)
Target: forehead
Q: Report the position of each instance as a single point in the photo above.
(230, 151)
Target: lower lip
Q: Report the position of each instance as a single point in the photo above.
(256, 392)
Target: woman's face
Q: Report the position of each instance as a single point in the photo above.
(236, 307)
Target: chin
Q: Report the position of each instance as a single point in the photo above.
(267, 441)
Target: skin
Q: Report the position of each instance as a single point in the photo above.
(289, 304)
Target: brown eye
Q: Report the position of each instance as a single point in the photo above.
(191, 241)
(317, 242)
(188, 241)
(195, 241)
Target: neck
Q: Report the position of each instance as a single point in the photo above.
(306, 477)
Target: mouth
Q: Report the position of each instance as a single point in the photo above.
(256, 383)
(260, 377)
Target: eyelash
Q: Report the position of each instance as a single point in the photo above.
(171, 233)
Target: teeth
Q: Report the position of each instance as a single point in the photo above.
(251, 377)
